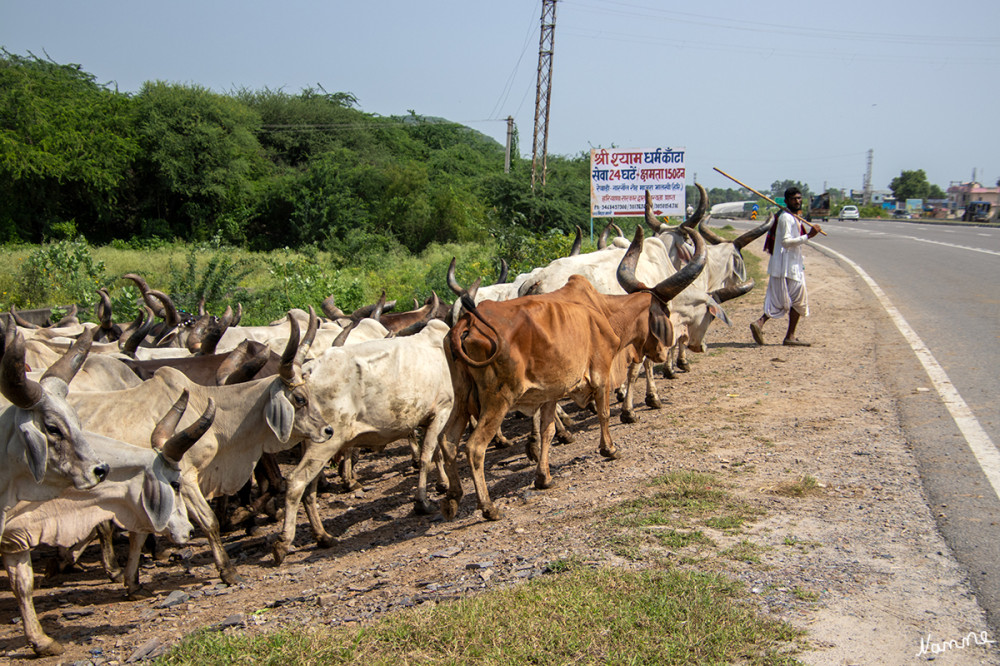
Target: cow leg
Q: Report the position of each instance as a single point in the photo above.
(448, 449)
(562, 432)
(428, 451)
(347, 477)
(532, 447)
(307, 470)
(602, 398)
(546, 418)
(628, 413)
(105, 534)
(668, 365)
(133, 590)
(22, 582)
(201, 513)
(682, 362)
(323, 538)
(476, 450)
(652, 399)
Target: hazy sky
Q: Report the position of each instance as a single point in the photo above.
(765, 91)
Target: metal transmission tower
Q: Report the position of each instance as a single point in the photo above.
(866, 196)
(543, 91)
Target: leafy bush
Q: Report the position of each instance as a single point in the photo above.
(218, 282)
(61, 272)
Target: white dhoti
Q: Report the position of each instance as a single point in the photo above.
(783, 294)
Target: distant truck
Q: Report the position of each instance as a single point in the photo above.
(819, 207)
(980, 211)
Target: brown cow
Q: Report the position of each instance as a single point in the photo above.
(528, 353)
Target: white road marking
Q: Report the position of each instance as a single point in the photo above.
(957, 247)
(979, 441)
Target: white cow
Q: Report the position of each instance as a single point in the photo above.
(372, 394)
(141, 493)
(43, 449)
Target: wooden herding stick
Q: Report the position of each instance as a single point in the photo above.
(767, 198)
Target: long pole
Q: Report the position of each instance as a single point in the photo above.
(767, 198)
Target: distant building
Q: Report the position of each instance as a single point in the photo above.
(960, 195)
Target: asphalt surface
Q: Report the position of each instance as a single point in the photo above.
(945, 282)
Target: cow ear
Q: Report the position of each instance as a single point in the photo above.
(157, 499)
(716, 311)
(659, 324)
(36, 446)
(280, 414)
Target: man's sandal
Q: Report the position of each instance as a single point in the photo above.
(758, 335)
(796, 343)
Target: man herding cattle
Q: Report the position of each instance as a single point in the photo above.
(786, 285)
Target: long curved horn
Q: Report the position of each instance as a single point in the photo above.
(21, 321)
(700, 211)
(201, 307)
(602, 241)
(452, 282)
(14, 383)
(710, 236)
(626, 267)
(651, 220)
(341, 338)
(170, 315)
(166, 426)
(434, 304)
(287, 368)
(179, 444)
(67, 366)
(69, 318)
(242, 363)
(307, 339)
(379, 306)
(103, 309)
(728, 293)
(143, 287)
(750, 236)
(238, 316)
(330, 309)
(680, 280)
(577, 242)
(214, 332)
(504, 268)
(140, 329)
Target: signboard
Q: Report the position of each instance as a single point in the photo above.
(619, 179)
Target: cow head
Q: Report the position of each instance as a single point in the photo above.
(47, 427)
(661, 329)
(291, 410)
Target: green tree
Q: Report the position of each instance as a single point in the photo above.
(936, 192)
(910, 185)
(778, 188)
(66, 147)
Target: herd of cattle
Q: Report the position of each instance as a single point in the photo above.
(75, 458)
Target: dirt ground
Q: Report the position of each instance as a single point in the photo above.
(858, 564)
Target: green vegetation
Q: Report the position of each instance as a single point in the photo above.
(580, 616)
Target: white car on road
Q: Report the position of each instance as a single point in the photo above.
(849, 213)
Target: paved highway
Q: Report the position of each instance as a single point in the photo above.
(944, 280)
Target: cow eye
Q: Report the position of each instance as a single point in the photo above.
(176, 486)
(53, 430)
(300, 401)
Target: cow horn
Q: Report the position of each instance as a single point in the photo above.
(156, 306)
(651, 219)
(577, 242)
(21, 321)
(238, 316)
(602, 240)
(175, 447)
(626, 267)
(379, 306)
(287, 368)
(728, 293)
(700, 211)
(452, 282)
(680, 280)
(170, 315)
(242, 363)
(139, 330)
(214, 332)
(330, 309)
(750, 236)
(710, 236)
(201, 307)
(103, 309)
(69, 318)
(307, 339)
(434, 304)
(503, 272)
(14, 383)
(343, 335)
(67, 366)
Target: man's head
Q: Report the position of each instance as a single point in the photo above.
(793, 199)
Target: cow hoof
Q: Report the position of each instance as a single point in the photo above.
(532, 450)
(492, 513)
(541, 483)
(620, 395)
(684, 366)
(231, 577)
(565, 437)
(449, 508)
(50, 649)
(653, 402)
(502, 443)
(351, 486)
(326, 541)
(422, 508)
(668, 372)
(611, 454)
(441, 487)
(628, 416)
(138, 594)
(280, 552)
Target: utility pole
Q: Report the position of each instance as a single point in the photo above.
(510, 140)
(866, 195)
(543, 92)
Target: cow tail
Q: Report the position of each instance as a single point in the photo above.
(461, 330)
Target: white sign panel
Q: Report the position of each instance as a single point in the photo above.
(619, 179)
